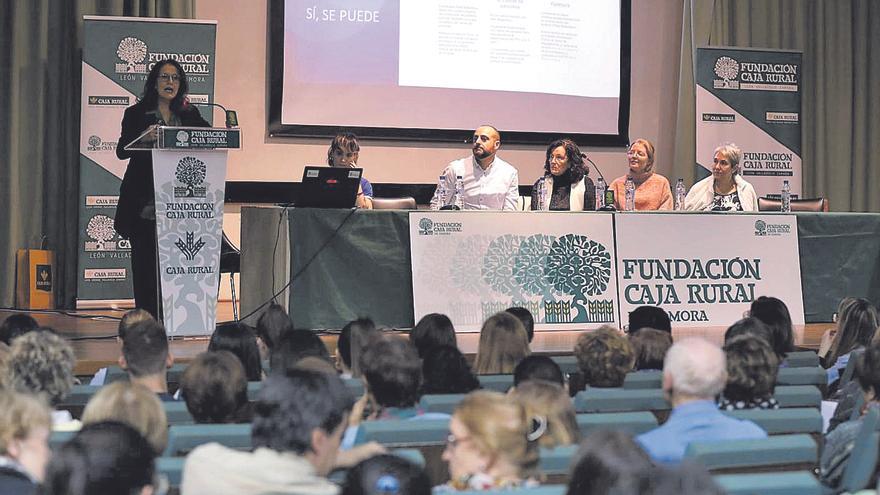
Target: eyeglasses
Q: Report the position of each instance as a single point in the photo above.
(636, 153)
(169, 77)
(557, 158)
(452, 441)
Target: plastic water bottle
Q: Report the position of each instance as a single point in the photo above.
(540, 192)
(786, 196)
(600, 193)
(679, 194)
(459, 193)
(440, 197)
(629, 188)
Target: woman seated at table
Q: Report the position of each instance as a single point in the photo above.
(566, 185)
(343, 153)
(725, 189)
(652, 189)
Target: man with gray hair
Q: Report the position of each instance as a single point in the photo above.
(694, 373)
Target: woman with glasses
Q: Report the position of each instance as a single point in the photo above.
(565, 185)
(163, 102)
(652, 191)
(343, 152)
(725, 189)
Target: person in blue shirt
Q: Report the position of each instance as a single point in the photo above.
(343, 152)
(694, 373)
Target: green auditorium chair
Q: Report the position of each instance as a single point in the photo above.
(643, 380)
(783, 421)
(56, 438)
(498, 383)
(862, 462)
(802, 359)
(253, 388)
(80, 394)
(172, 468)
(782, 483)
(606, 400)
(633, 423)
(426, 435)
(440, 403)
(798, 396)
(814, 375)
(174, 373)
(355, 386)
(184, 438)
(775, 453)
(568, 364)
(177, 413)
(412, 455)
(555, 463)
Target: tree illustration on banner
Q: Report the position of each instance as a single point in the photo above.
(579, 267)
(499, 263)
(530, 266)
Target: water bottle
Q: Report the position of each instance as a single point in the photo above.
(600, 193)
(440, 197)
(540, 192)
(459, 193)
(679, 195)
(786, 196)
(629, 188)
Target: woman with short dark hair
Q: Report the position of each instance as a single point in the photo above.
(343, 152)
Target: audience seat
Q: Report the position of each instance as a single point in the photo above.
(440, 403)
(115, 373)
(814, 375)
(783, 421)
(499, 383)
(253, 388)
(80, 394)
(427, 435)
(798, 396)
(784, 483)
(537, 490)
(56, 438)
(633, 423)
(172, 468)
(801, 359)
(184, 438)
(599, 400)
(177, 413)
(643, 380)
(776, 453)
(555, 463)
(355, 386)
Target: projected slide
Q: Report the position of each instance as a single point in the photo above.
(530, 66)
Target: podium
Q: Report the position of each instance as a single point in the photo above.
(189, 177)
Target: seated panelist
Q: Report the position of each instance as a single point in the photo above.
(566, 186)
(343, 153)
(725, 189)
(652, 189)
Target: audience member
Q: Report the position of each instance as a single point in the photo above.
(749, 326)
(386, 475)
(774, 313)
(5, 351)
(214, 387)
(105, 458)
(650, 346)
(25, 422)
(445, 370)
(355, 335)
(604, 357)
(241, 341)
(128, 320)
(295, 345)
(42, 363)
(648, 317)
(538, 368)
(857, 324)
(609, 461)
(131, 404)
(683, 479)
(273, 323)
(526, 318)
(15, 325)
(299, 418)
(491, 444)
(146, 358)
(551, 407)
(433, 330)
(693, 375)
(393, 376)
(503, 344)
(839, 443)
(752, 367)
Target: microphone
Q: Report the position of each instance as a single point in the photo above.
(585, 157)
(231, 115)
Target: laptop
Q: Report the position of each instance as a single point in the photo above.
(328, 187)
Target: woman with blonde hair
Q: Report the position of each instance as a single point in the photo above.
(134, 405)
(503, 344)
(652, 191)
(549, 403)
(492, 444)
(857, 324)
(25, 423)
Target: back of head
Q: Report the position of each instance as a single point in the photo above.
(650, 346)
(130, 318)
(273, 323)
(649, 317)
(132, 404)
(538, 368)
(752, 367)
(386, 474)
(41, 362)
(774, 313)
(503, 344)
(697, 369)
(361, 338)
(868, 370)
(214, 387)
(749, 326)
(684, 479)
(499, 427)
(145, 348)
(295, 345)
(15, 325)
(106, 458)
(241, 341)
(445, 370)
(20, 415)
(550, 403)
(608, 460)
(604, 357)
(526, 318)
(293, 403)
(393, 372)
(357, 327)
(856, 327)
(432, 330)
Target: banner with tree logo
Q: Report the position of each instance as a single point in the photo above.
(471, 265)
(118, 53)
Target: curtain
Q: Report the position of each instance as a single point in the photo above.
(840, 117)
(40, 84)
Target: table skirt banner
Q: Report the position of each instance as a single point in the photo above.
(471, 265)
(704, 275)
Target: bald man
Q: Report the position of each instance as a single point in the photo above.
(694, 373)
(489, 182)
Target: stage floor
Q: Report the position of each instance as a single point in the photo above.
(93, 336)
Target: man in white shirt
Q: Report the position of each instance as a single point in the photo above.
(489, 183)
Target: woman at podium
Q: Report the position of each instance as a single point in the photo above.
(565, 185)
(343, 152)
(163, 102)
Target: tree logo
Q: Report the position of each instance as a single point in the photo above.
(100, 230)
(182, 138)
(94, 141)
(191, 173)
(132, 51)
(426, 226)
(728, 70)
(190, 248)
(760, 228)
